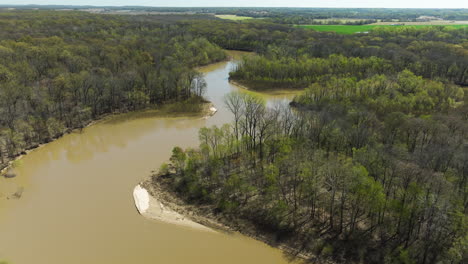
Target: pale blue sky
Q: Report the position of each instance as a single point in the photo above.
(250, 3)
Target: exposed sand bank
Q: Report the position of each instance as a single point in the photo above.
(203, 215)
(152, 208)
(150, 205)
(209, 111)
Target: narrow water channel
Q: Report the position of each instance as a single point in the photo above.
(77, 205)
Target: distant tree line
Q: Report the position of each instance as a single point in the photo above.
(306, 15)
(300, 57)
(335, 21)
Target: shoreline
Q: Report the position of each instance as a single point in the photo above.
(208, 110)
(265, 90)
(9, 164)
(162, 204)
(238, 84)
(161, 194)
(151, 207)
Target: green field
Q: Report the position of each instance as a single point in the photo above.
(233, 17)
(345, 29)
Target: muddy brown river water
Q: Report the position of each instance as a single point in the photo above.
(77, 205)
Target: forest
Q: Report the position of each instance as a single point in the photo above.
(283, 15)
(60, 70)
(368, 164)
(352, 175)
(436, 53)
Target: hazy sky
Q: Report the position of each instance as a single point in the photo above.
(247, 3)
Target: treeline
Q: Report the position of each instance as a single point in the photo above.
(259, 72)
(334, 21)
(402, 14)
(291, 16)
(305, 15)
(432, 52)
(386, 14)
(276, 71)
(276, 68)
(309, 15)
(404, 92)
(59, 70)
(347, 179)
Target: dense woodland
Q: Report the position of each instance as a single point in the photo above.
(436, 53)
(351, 175)
(370, 166)
(59, 70)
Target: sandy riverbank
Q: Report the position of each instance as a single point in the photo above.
(165, 205)
(151, 207)
(153, 203)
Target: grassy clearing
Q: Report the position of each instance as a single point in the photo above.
(233, 17)
(345, 29)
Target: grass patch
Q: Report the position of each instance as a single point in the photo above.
(233, 17)
(351, 29)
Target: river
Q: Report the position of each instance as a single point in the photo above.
(77, 204)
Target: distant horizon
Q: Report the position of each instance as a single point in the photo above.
(311, 7)
(401, 4)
